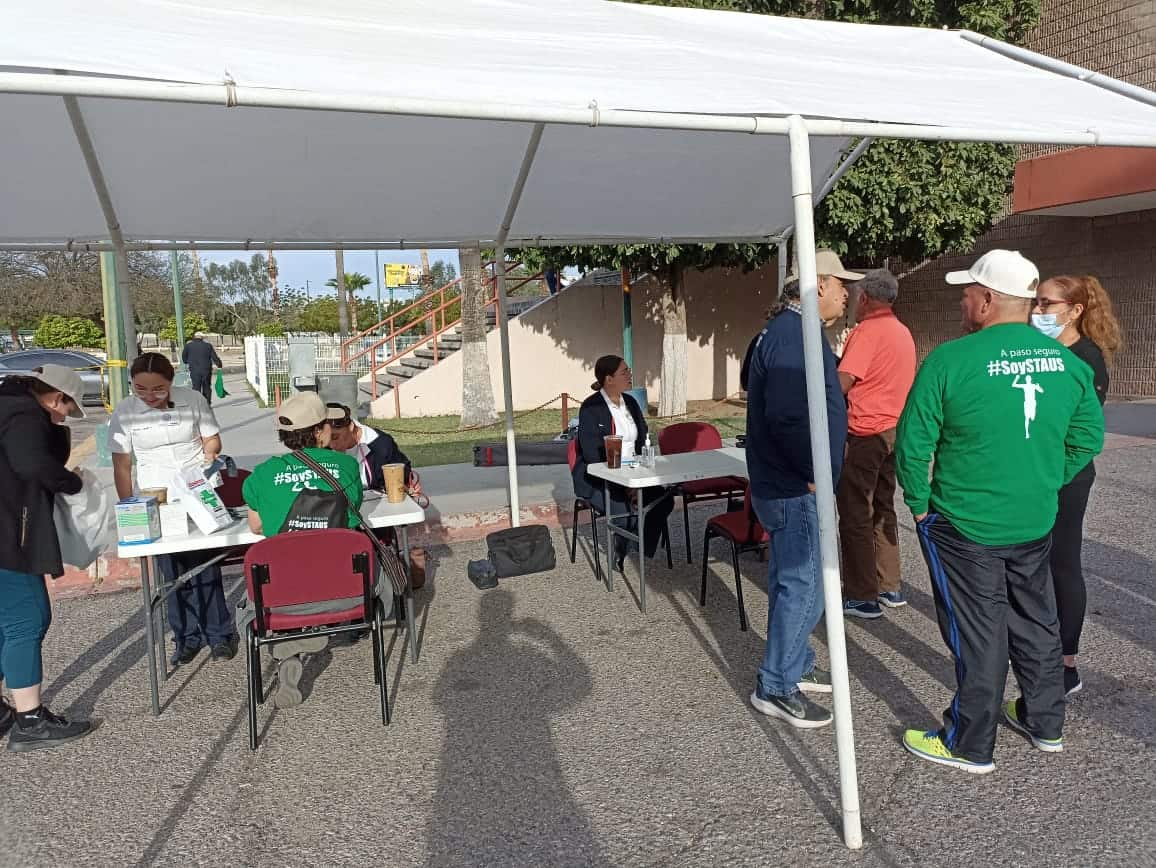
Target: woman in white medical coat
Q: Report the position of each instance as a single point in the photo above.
(166, 428)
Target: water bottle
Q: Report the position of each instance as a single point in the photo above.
(647, 453)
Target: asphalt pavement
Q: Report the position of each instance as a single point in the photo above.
(549, 722)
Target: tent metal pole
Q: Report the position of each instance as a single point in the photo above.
(830, 183)
(76, 246)
(504, 319)
(121, 295)
(781, 262)
(824, 483)
(1050, 64)
(238, 96)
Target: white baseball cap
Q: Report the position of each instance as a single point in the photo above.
(1008, 272)
(304, 410)
(64, 380)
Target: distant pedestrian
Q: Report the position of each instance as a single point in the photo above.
(876, 372)
(1077, 312)
(999, 449)
(782, 480)
(200, 357)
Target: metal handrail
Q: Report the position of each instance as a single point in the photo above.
(430, 318)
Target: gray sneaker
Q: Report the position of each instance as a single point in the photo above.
(288, 693)
(816, 681)
(796, 709)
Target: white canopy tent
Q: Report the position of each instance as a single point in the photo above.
(505, 122)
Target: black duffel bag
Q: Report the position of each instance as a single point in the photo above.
(521, 550)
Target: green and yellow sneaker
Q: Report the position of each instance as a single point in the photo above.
(930, 746)
(1011, 714)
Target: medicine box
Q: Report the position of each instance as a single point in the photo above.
(138, 521)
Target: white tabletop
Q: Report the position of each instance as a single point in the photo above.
(378, 512)
(673, 469)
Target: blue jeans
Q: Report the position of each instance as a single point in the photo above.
(25, 614)
(794, 591)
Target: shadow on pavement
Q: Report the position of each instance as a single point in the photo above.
(502, 796)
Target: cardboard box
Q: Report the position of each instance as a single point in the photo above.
(200, 500)
(138, 521)
(174, 520)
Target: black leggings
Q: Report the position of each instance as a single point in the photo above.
(1066, 558)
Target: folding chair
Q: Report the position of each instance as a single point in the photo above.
(287, 572)
(581, 504)
(233, 498)
(698, 437)
(744, 532)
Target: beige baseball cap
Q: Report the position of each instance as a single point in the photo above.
(828, 262)
(1008, 272)
(304, 410)
(67, 381)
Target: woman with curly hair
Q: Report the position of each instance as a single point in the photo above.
(1077, 312)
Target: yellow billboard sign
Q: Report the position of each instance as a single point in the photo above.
(401, 274)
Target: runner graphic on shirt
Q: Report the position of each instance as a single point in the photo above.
(1029, 389)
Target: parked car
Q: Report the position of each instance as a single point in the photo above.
(25, 362)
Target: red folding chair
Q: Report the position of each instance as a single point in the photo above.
(698, 437)
(581, 504)
(230, 490)
(744, 532)
(314, 566)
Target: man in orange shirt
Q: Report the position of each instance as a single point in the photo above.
(876, 372)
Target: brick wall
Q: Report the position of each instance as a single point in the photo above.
(1114, 37)
(1120, 250)
(1118, 38)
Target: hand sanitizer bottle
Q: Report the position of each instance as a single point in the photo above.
(647, 453)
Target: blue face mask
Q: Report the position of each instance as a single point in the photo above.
(1046, 323)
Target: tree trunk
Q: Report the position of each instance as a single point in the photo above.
(271, 268)
(342, 296)
(672, 388)
(426, 277)
(477, 387)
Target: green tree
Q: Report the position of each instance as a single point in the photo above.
(59, 332)
(906, 199)
(194, 323)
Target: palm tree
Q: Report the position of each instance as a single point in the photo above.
(353, 282)
(477, 388)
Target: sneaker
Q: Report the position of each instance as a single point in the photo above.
(862, 609)
(930, 746)
(296, 647)
(43, 729)
(184, 656)
(796, 710)
(288, 693)
(816, 681)
(226, 650)
(892, 599)
(7, 717)
(1011, 714)
(1072, 682)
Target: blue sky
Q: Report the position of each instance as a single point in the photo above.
(297, 267)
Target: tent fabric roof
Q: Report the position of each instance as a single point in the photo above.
(204, 172)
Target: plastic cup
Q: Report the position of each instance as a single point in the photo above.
(394, 482)
(613, 444)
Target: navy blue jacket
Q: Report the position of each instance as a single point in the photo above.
(778, 426)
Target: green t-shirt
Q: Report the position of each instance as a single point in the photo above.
(275, 483)
(1008, 415)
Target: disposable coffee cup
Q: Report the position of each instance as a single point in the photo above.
(161, 494)
(613, 451)
(394, 482)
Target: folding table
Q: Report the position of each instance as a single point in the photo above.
(667, 470)
(379, 514)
